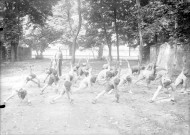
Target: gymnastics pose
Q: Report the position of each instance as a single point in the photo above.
(33, 78)
(112, 83)
(148, 74)
(20, 91)
(88, 81)
(165, 82)
(182, 78)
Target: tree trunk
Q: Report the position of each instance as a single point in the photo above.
(116, 32)
(100, 52)
(140, 35)
(79, 27)
(12, 52)
(129, 50)
(107, 41)
(15, 50)
(110, 52)
(70, 26)
(70, 50)
(41, 54)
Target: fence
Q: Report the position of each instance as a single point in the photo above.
(92, 54)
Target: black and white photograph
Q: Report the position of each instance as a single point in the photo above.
(95, 67)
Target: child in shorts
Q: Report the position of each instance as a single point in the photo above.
(52, 74)
(21, 92)
(112, 83)
(165, 82)
(65, 87)
(33, 78)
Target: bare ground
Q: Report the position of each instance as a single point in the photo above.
(134, 115)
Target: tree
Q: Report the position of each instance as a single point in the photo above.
(40, 38)
(78, 30)
(15, 10)
(113, 18)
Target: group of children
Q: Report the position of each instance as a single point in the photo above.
(112, 77)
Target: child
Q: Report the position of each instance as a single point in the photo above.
(148, 74)
(53, 76)
(101, 78)
(87, 81)
(182, 78)
(83, 69)
(112, 83)
(32, 77)
(126, 77)
(21, 92)
(65, 87)
(165, 82)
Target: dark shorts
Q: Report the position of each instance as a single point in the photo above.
(52, 79)
(109, 87)
(67, 85)
(70, 77)
(22, 94)
(129, 79)
(93, 79)
(166, 84)
(116, 81)
(109, 74)
(81, 72)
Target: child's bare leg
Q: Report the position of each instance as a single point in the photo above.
(110, 91)
(35, 82)
(69, 96)
(156, 93)
(98, 96)
(59, 96)
(27, 99)
(147, 83)
(184, 85)
(121, 83)
(117, 95)
(139, 79)
(11, 96)
(38, 80)
(81, 87)
(42, 90)
(46, 78)
(178, 80)
(173, 91)
(129, 86)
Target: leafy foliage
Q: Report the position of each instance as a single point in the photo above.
(15, 10)
(40, 38)
(164, 20)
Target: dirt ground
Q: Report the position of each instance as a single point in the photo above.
(134, 115)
